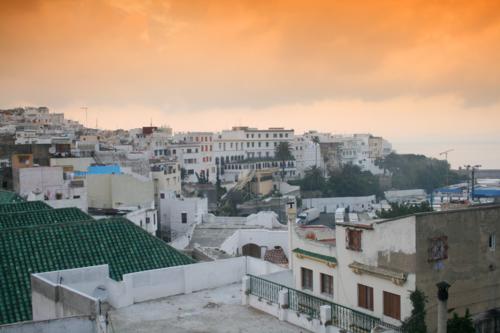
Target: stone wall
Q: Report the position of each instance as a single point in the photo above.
(471, 267)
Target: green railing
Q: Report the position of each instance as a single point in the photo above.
(342, 317)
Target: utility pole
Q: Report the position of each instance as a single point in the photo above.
(473, 168)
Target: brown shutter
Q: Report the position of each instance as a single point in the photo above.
(370, 293)
(361, 296)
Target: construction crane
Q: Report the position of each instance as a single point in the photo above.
(445, 153)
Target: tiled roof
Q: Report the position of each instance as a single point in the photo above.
(39, 217)
(27, 206)
(117, 242)
(9, 197)
(276, 256)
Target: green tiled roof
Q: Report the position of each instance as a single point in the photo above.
(315, 255)
(9, 197)
(27, 206)
(46, 216)
(117, 242)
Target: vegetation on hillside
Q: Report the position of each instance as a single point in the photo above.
(347, 181)
(409, 171)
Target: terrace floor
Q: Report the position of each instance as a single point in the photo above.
(213, 310)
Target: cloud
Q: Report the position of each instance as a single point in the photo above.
(198, 55)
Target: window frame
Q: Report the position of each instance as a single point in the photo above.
(304, 281)
(329, 290)
(365, 293)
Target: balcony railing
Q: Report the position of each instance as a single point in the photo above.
(342, 317)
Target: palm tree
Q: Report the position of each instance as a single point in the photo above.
(283, 153)
(315, 140)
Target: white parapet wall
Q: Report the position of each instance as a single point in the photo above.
(94, 282)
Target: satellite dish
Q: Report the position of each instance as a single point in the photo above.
(52, 150)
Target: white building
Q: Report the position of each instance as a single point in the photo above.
(307, 154)
(57, 188)
(178, 214)
(242, 149)
(330, 205)
(194, 151)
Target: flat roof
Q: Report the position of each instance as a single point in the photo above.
(211, 310)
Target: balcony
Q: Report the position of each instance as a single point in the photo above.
(310, 307)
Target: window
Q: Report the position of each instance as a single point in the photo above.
(365, 297)
(353, 239)
(162, 195)
(148, 220)
(184, 217)
(438, 248)
(307, 278)
(492, 242)
(392, 305)
(327, 284)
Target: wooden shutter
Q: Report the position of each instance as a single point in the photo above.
(392, 305)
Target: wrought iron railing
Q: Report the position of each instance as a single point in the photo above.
(342, 317)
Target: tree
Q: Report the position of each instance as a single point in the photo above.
(313, 180)
(404, 209)
(283, 153)
(459, 324)
(410, 171)
(416, 322)
(350, 180)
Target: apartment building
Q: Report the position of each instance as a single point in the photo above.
(373, 266)
(244, 148)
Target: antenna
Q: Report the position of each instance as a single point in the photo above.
(86, 115)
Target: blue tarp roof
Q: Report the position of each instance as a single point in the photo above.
(449, 190)
(101, 170)
(485, 192)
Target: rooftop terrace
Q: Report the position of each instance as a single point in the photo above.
(212, 310)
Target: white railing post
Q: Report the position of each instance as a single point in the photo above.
(245, 290)
(282, 303)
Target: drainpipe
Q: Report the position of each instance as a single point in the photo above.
(291, 212)
(442, 308)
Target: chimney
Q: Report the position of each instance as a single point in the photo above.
(291, 214)
(442, 308)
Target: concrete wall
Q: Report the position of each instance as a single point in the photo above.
(472, 268)
(329, 205)
(266, 239)
(118, 190)
(141, 286)
(78, 163)
(48, 180)
(51, 300)
(266, 219)
(75, 324)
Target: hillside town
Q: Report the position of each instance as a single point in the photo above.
(150, 229)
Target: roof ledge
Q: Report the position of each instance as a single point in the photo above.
(396, 277)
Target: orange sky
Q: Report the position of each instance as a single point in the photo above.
(419, 72)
